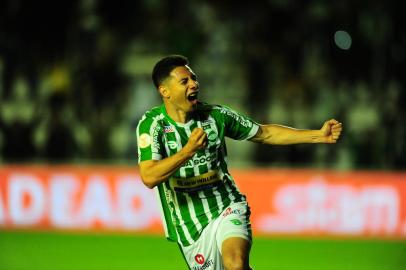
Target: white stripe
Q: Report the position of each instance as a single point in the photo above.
(175, 201)
(181, 221)
(205, 202)
(137, 132)
(168, 152)
(214, 127)
(220, 203)
(232, 180)
(230, 194)
(206, 206)
(192, 211)
(220, 171)
(171, 210)
(154, 150)
(155, 155)
(218, 199)
(177, 212)
(253, 131)
(182, 172)
(188, 132)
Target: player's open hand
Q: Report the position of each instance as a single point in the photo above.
(197, 140)
(331, 131)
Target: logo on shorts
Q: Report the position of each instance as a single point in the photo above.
(230, 211)
(236, 221)
(203, 263)
(199, 259)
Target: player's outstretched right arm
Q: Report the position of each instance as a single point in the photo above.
(154, 172)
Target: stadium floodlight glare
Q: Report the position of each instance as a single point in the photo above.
(342, 39)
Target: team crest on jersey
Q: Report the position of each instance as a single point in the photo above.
(211, 134)
(168, 129)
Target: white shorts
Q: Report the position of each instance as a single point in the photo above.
(205, 253)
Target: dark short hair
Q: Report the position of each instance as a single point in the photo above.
(163, 68)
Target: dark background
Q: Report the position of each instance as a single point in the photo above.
(75, 75)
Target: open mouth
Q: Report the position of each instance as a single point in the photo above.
(193, 97)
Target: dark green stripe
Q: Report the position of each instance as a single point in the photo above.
(248, 221)
(184, 138)
(199, 210)
(224, 195)
(167, 215)
(211, 199)
(193, 126)
(238, 197)
(203, 169)
(177, 221)
(190, 172)
(184, 211)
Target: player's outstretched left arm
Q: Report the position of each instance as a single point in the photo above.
(282, 135)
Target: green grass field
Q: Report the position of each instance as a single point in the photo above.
(60, 251)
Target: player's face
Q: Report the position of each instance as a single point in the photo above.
(183, 88)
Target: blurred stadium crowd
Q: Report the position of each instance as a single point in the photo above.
(75, 75)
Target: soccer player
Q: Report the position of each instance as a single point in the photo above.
(182, 154)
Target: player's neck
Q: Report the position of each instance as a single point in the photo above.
(177, 115)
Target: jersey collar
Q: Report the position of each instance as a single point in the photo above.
(163, 110)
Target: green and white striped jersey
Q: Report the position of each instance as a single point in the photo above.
(202, 188)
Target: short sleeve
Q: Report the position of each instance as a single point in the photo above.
(238, 126)
(149, 144)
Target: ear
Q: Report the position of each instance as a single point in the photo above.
(163, 90)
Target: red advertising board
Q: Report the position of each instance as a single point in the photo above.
(76, 198)
(288, 202)
(309, 202)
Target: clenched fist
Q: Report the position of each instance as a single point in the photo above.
(197, 140)
(331, 131)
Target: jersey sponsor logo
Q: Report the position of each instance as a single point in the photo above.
(202, 160)
(144, 140)
(199, 258)
(172, 145)
(196, 183)
(168, 129)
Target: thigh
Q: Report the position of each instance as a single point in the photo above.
(234, 222)
(204, 253)
(234, 236)
(235, 253)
